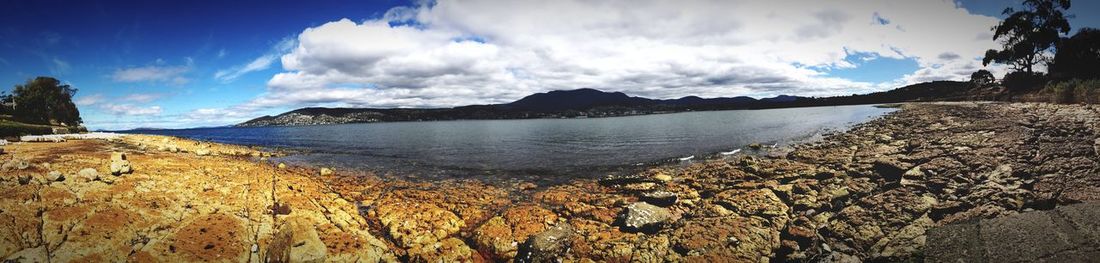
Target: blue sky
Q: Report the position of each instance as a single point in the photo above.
(198, 63)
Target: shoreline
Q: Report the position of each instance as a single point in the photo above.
(868, 193)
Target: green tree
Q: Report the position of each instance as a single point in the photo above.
(5, 99)
(1078, 56)
(1026, 35)
(982, 78)
(45, 99)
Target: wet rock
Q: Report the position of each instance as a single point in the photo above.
(660, 198)
(119, 164)
(643, 217)
(548, 246)
(87, 174)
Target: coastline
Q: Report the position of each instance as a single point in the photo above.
(869, 193)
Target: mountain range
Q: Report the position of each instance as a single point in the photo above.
(595, 103)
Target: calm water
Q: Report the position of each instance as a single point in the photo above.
(545, 149)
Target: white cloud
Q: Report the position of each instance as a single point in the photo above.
(155, 73)
(90, 100)
(142, 97)
(130, 109)
(481, 51)
(261, 63)
(59, 67)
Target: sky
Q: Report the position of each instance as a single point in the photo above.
(177, 64)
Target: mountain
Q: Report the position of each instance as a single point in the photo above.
(596, 103)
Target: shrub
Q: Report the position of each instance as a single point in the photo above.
(1074, 91)
(12, 129)
(1022, 81)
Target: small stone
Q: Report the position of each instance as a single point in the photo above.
(643, 217)
(55, 176)
(88, 174)
(326, 171)
(282, 166)
(202, 152)
(526, 186)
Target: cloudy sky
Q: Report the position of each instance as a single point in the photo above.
(206, 63)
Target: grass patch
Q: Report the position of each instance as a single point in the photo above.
(12, 129)
(1073, 91)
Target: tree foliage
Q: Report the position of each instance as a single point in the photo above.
(1078, 56)
(44, 99)
(1027, 35)
(982, 78)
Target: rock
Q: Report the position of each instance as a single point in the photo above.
(282, 166)
(16, 164)
(119, 164)
(202, 152)
(326, 171)
(88, 174)
(526, 186)
(548, 246)
(297, 241)
(755, 146)
(643, 217)
(660, 198)
(889, 170)
(1, 150)
(759, 202)
(912, 175)
(53, 176)
(663, 177)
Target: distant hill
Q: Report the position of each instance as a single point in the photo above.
(596, 103)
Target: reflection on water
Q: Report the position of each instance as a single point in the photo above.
(550, 148)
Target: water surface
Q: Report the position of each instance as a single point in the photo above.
(543, 149)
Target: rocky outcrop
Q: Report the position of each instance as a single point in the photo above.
(868, 194)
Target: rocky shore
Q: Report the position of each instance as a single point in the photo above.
(867, 194)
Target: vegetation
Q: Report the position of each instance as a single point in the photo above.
(1078, 56)
(982, 78)
(44, 100)
(1027, 35)
(11, 129)
(1073, 91)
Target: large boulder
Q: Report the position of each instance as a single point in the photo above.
(643, 217)
(88, 174)
(548, 246)
(119, 164)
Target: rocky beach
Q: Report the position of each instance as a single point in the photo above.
(868, 194)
